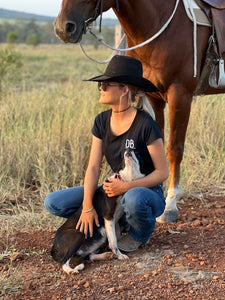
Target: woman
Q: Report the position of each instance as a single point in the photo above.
(115, 130)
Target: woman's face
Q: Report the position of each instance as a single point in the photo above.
(110, 93)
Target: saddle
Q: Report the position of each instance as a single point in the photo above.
(214, 64)
(215, 11)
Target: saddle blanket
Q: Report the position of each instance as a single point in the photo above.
(191, 8)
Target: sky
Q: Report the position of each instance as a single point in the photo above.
(49, 8)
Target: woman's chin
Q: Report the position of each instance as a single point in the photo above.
(102, 100)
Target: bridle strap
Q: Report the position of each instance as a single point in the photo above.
(95, 14)
(117, 5)
(101, 10)
(98, 12)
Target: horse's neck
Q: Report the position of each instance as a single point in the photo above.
(143, 18)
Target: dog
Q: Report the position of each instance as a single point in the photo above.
(70, 244)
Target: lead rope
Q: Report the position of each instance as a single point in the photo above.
(105, 61)
(100, 39)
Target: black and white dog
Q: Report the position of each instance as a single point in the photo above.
(71, 243)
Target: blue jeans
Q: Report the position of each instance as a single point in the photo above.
(141, 206)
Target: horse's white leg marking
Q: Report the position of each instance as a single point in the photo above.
(173, 196)
(171, 210)
(66, 268)
(111, 235)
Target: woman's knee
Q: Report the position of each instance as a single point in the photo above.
(142, 201)
(134, 199)
(48, 202)
(64, 202)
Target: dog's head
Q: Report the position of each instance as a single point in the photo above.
(131, 170)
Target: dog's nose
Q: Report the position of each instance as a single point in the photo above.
(128, 152)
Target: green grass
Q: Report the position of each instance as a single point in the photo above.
(46, 116)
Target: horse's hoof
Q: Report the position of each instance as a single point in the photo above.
(168, 216)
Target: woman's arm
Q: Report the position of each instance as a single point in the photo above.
(89, 215)
(161, 173)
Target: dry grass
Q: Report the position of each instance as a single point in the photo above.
(45, 133)
(203, 167)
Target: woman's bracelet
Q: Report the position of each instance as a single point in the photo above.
(85, 211)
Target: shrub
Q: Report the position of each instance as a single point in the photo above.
(33, 40)
(11, 38)
(10, 61)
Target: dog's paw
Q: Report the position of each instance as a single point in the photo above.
(66, 268)
(122, 256)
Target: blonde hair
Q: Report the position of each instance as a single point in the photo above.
(142, 103)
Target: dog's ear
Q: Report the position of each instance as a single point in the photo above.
(142, 165)
(121, 166)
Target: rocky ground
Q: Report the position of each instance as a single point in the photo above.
(184, 260)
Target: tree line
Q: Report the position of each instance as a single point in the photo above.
(33, 32)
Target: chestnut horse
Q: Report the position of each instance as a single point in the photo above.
(167, 62)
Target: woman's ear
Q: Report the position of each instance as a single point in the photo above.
(125, 90)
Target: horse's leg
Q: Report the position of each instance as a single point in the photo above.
(158, 106)
(179, 103)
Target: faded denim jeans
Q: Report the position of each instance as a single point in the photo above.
(141, 207)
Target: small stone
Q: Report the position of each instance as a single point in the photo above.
(27, 285)
(16, 256)
(196, 223)
(86, 285)
(154, 273)
(146, 276)
(140, 265)
(76, 286)
(111, 290)
(5, 268)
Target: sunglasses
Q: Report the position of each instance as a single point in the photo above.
(103, 85)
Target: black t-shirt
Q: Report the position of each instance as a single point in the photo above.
(142, 132)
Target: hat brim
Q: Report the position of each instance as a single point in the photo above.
(140, 82)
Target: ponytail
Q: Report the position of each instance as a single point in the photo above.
(142, 103)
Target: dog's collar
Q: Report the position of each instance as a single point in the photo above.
(117, 176)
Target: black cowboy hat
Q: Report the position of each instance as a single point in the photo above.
(127, 70)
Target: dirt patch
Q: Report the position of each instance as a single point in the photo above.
(184, 260)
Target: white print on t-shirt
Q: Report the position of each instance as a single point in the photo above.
(129, 144)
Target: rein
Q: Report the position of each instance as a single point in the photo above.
(100, 39)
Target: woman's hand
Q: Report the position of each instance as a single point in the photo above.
(115, 187)
(86, 221)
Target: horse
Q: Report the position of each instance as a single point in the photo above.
(167, 62)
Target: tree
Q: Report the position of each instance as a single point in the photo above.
(33, 40)
(11, 37)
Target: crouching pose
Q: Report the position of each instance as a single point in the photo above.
(125, 126)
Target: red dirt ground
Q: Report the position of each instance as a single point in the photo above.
(184, 260)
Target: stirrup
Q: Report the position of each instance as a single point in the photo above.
(212, 78)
